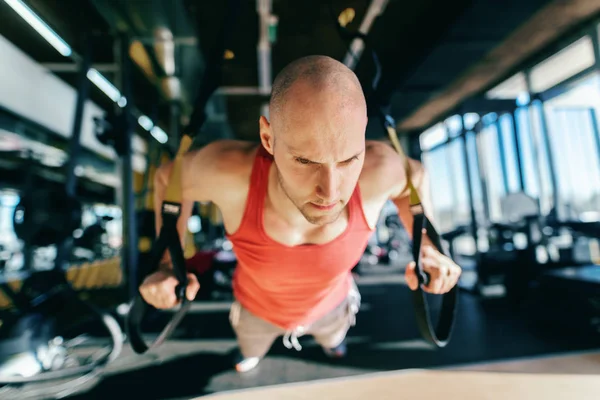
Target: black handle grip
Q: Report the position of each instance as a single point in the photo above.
(180, 291)
(424, 277)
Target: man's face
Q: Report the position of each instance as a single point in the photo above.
(319, 155)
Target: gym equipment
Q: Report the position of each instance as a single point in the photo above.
(440, 335)
(31, 334)
(45, 216)
(168, 238)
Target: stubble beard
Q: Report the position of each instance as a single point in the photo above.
(305, 209)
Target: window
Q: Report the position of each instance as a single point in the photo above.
(510, 152)
(433, 136)
(8, 201)
(473, 161)
(573, 136)
(442, 191)
(512, 88)
(527, 152)
(562, 65)
(454, 125)
(491, 164)
(542, 157)
(448, 181)
(455, 158)
(470, 119)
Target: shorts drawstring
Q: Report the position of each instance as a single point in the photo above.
(354, 300)
(290, 339)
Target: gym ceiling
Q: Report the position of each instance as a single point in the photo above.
(434, 54)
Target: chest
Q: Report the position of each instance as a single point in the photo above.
(273, 258)
(281, 231)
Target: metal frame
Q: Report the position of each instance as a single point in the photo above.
(129, 252)
(518, 155)
(502, 154)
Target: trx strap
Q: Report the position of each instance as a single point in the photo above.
(168, 238)
(442, 332)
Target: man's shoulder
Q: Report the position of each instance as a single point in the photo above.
(380, 157)
(384, 169)
(230, 157)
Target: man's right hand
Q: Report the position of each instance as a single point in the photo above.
(158, 289)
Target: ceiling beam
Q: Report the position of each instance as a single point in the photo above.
(543, 28)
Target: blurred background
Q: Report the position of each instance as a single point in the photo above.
(499, 100)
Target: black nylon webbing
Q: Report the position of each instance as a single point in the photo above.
(168, 238)
(441, 333)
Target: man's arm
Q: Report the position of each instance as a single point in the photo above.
(203, 174)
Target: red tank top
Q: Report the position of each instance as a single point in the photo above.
(292, 286)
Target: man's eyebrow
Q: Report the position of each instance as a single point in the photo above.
(297, 155)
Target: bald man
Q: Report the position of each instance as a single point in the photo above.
(299, 209)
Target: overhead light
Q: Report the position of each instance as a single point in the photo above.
(346, 17)
(171, 87)
(194, 224)
(108, 88)
(159, 134)
(122, 102)
(164, 49)
(229, 55)
(40, 26)
(145, 122)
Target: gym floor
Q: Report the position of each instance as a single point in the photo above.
(196, 361)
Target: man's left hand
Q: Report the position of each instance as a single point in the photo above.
(443, 272)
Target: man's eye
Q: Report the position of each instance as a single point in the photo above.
(302, 161)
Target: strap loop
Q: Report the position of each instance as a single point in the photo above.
(169, 238)
(439, 336)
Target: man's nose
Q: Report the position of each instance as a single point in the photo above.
(327, 189)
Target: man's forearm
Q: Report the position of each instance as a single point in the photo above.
(160, 187)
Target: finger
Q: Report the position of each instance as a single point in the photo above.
(411, 277)
(164, 302)
(434, 267)
(455, 276)
(433, 252)
(449, 283)
(436, 285)
(192, 288)
(451, 278)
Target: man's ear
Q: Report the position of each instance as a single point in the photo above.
(266, 134)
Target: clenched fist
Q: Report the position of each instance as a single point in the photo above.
(158, 289)
(443, 272)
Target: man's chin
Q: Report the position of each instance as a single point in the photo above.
(322, 218)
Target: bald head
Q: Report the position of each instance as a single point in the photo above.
(316, 135)
(310, 79)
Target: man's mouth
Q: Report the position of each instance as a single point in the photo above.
(324, 207)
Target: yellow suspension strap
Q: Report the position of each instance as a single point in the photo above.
(168, 238)
(440, 335)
